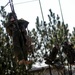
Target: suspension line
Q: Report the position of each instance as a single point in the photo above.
(61, 11)
(41, 11)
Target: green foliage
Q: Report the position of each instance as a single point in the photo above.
(44, 37)
(5, 52)
(49, 34)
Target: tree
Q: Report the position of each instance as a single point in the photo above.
(51, 34)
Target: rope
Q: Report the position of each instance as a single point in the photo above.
(6, 4)
(61, 11)
(11, 5)
(41, 11)
(25, 2)
(20, 2)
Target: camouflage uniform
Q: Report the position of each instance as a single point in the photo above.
(19, 36)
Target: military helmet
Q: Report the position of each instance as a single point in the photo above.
(9, 16)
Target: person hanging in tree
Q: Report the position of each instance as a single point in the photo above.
(19, 35)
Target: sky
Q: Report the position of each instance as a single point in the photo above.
(30, 9)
